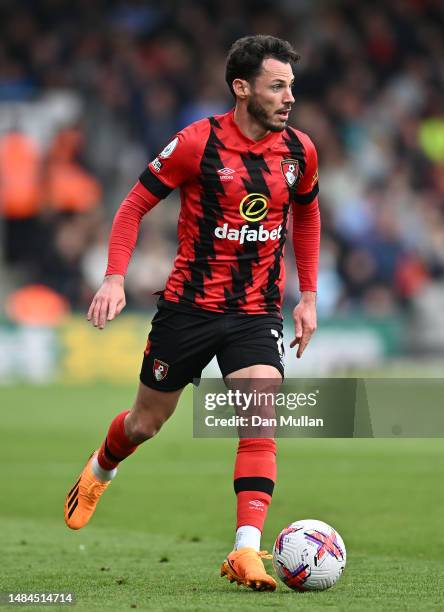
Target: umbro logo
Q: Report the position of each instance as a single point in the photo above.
(226, 174)
(256, 503)
(226, 171)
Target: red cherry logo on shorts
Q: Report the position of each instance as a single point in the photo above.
(160, 369)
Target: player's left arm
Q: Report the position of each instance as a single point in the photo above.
(306, 243)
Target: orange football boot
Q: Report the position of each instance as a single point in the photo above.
(81, 501)
(245, 566)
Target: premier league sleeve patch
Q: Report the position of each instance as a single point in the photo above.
(290, 170)
(160, 369)
(168, 150)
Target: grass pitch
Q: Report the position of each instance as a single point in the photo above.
(166, 523)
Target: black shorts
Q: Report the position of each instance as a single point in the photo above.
(183, 341)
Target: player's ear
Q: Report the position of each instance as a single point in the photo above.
(241, 88)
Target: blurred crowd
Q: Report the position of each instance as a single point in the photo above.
(91, 91)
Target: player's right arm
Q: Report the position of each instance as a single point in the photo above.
(176, 164)
(110, 300)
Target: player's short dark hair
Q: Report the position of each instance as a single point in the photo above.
(246, 55)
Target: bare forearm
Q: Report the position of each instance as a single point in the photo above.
(114, 278)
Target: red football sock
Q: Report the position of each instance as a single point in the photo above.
(254, 478)
(116, 447)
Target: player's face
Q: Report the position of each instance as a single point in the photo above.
(271, 97)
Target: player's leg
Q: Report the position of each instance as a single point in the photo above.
(255, 466)
(254, 479)
(179, 346)
(257, 338)
(127, 431)
(150, 410)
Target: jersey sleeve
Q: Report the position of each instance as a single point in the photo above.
(178, 162)
(307, 222)
(125, 228)
(308, 188)
(175, 165)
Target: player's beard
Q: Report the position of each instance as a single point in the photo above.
(258, 112)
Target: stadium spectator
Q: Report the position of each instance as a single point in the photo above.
(369, 90)
(20, 197)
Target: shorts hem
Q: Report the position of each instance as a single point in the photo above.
(166, 389)
(255, 362)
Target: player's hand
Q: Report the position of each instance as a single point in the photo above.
(304, 316)
(108, 302)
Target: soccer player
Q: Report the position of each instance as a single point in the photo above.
(240, 174)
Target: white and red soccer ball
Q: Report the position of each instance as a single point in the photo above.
(309, 555)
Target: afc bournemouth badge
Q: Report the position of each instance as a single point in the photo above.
(160, 369)
(290, 170)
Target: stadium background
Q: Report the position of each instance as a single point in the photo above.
(89, 93)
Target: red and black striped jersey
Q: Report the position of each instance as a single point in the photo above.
(236, 196)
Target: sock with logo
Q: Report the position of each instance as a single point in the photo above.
(254, 478)
(115, 448)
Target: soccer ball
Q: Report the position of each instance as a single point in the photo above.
(309, 555)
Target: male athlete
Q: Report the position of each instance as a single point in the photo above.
(240, 174)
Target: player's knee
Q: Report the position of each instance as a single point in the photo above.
(143, 427)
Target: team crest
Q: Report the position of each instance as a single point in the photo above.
(290, 170)
(160, 369)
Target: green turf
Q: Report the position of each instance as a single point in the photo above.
(167, 521)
